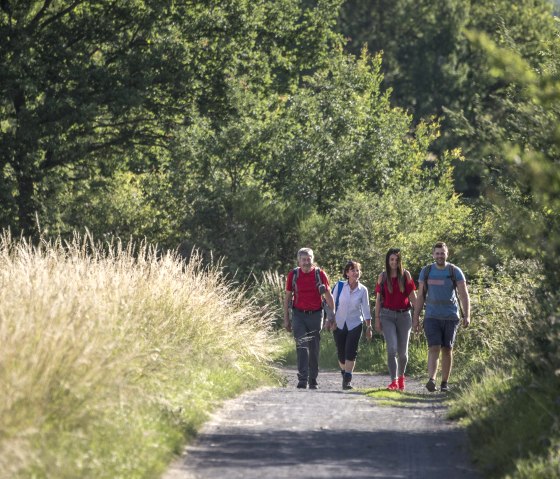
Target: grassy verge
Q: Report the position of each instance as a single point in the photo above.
(112, 357)
(512, 421)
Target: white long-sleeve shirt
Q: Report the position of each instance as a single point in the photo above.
(353, 306)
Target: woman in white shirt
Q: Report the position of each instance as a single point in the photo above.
(351, 310)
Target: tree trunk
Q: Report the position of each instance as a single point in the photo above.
(25, 203)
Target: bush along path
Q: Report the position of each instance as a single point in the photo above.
(363, 433)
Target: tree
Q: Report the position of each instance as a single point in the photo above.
(434, 69)
(419, 43)
(339, 129)
(93, 88)
(81, 84)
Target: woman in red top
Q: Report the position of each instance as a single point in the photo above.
(396, 295)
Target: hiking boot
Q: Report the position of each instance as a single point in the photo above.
(346, 381)
(400, 382)
(393, 386)
(431, 385)
(444, 387)
(302, 385)
(313, 384)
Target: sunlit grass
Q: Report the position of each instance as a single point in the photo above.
(517, 415)
(404, 399)
(110, 357)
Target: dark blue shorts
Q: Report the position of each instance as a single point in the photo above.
(441, 332)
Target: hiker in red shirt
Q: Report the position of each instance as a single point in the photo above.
(396, 295)
(305, 287)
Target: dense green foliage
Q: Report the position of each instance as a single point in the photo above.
(435, 69)
(248, 129)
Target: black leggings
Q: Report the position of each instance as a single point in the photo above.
(347, 343)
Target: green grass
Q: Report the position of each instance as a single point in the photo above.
(513, 424)
(111, 358)
(384, 397)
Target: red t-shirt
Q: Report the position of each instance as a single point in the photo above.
(396, 299)
(307, 296)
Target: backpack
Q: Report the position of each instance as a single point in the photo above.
(384, 279)
(451, 267)
(318, 282)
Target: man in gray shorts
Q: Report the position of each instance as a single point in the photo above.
(438, 286)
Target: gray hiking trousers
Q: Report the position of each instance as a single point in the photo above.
(396, 329)
(307, 333)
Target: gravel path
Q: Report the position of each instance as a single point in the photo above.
(278, 433)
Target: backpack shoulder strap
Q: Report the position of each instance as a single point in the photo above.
(382, 286)
(294, 278)
(383, 281)
(318, 280)
(453, 275)
(294, 281)
(339, 287)
(427, 270)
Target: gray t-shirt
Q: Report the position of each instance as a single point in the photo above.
(441, 300)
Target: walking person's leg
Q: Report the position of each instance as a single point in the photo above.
(404, 326)
(450, 332)
(314, 325)
(446, 363)
(301, 337)
(339, 336)
(352, 342)
(434, 335)
(389, 326)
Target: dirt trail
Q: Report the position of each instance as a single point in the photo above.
(278, 433)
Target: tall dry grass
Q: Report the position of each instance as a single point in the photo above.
(110, 356)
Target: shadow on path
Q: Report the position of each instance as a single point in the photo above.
(288, 433)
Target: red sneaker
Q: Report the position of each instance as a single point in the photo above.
(393, 386)
(400, 382)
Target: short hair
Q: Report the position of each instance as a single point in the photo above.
(305, 252)
(440, 244)
(351, 264)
